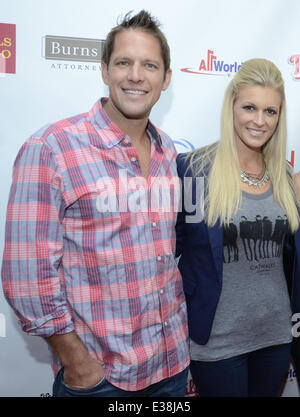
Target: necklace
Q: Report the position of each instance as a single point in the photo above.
(255, 180)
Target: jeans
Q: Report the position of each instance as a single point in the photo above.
(260, 373)
(169, 387)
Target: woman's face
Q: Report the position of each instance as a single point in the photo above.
(256, 113)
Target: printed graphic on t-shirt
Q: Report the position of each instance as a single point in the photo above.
(258, 239)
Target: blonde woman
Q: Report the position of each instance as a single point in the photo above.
(237, 253)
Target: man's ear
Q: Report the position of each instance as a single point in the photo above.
(167, 80)
(104, 72)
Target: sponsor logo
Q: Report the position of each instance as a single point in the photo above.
(291, 375)
(292, 161)
(183, 145)
(211, 65)
(84, 50)
(295, 60)
(7, 48)
(190, 389)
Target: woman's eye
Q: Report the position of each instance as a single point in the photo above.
(249, 108)
(271, 111)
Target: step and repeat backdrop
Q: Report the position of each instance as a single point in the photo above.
(50, 69)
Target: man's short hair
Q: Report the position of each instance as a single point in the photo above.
(142, 21)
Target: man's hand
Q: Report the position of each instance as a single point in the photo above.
(84, 375)
(80, 369)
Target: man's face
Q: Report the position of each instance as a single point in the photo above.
(135, 75)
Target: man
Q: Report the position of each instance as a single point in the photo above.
(97, 281)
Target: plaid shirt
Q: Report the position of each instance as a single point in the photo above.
(90, 247)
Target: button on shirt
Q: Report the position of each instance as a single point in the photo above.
(90, 247)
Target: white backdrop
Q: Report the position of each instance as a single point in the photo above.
(43, 91)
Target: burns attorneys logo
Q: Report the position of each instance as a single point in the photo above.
(65, 48)
(7, 48)
(211, 65)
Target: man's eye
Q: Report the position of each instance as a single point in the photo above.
(151, 66)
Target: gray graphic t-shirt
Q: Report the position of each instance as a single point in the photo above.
(254, 307)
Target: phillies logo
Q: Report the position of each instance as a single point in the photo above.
(295, 60)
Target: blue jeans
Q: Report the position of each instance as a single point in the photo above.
(169, 387)
(260, 373)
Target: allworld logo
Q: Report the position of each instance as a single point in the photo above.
(295, 60)
(211, 65)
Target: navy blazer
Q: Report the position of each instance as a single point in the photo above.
(201, 263)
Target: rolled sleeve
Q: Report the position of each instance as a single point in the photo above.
(32, 276)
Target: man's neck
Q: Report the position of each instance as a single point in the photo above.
(134, 128)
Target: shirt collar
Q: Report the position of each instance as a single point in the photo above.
(111, 134)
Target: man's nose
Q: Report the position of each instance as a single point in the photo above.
(136, 73)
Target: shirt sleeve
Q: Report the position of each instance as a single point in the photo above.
(31, 269)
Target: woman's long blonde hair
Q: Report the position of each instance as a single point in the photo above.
(224, 182)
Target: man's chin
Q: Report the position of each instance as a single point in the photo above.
(136, 115)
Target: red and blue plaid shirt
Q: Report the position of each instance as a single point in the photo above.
(90, 247)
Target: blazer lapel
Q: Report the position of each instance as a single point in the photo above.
(215, 235)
